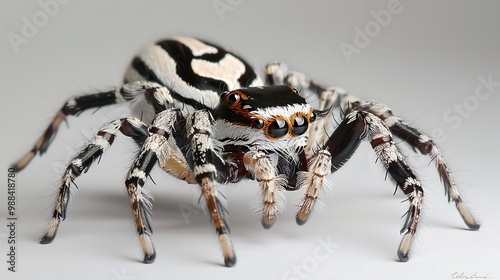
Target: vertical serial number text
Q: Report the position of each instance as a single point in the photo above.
(11, 220)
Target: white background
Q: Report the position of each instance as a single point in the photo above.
(425, 61)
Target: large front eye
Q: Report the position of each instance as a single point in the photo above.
(299, 126)
(278, 128)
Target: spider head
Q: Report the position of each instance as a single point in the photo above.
(275, 112)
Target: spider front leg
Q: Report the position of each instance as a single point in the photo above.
(157, 147)
(259, 165)
(381, 141)
(338, 148)
(342, 144)
(191, 137)
(130, 127)
(425, 146)
(314, 181)
(204, 162)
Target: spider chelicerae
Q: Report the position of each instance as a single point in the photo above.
(209, 119)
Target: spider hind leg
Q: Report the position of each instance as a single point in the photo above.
(73, 106)
(158, 95)
(80, 164)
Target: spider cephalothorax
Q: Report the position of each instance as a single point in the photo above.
(277, 111)
(197, 130)
(273, 120)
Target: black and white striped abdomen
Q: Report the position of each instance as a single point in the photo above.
(194, 71)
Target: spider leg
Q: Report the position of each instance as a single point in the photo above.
(343, 143)
(425, 146)
(130, 127)
(259, 165)
(154, 149)
(74, 106)
(341, 140)
(196, 148)
(277, 73)
(204, 163)
(314, 182)
(332, 154)
(381, 141)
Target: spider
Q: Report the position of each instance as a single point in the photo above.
(209, 119)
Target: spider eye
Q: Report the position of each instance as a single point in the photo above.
(312, 117)
(278, 128)
(299, 126)
(233, 98)
(258, 123)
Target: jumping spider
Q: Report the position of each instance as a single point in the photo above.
(211, 120)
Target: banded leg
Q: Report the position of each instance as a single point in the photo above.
(203, 161)
(157, 94)
(156, 148)
(332, 154)
(259, 165)
(277, 73)
(425, 146)
(344, 141)
(130, 127)
(381, 140)
(314, 181)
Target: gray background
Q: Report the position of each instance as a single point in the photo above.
(427, 59)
